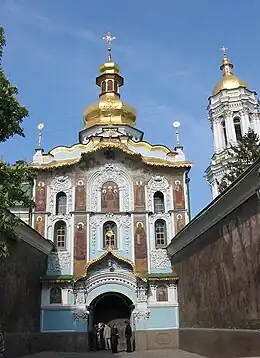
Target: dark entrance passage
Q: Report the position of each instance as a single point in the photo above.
(113, 308)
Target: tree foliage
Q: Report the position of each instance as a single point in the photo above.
(241, 157)
(12, 177)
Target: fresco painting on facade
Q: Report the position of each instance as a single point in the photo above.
(40, 196)
(139, 195)
(140, 243)
(80, 196)
(110, 197)
(178, 194)
(180, 221)
(80, 249)
(40, 224)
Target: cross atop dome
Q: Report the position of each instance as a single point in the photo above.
(109, 38)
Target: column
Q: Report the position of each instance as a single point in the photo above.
(231, 134)
(245, 124)
(216, 135)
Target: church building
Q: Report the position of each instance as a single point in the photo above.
(111, 204)
(233, 108)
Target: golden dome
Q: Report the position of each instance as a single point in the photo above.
(109, 109)
(229, 81)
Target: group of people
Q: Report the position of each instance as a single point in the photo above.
(106, 337)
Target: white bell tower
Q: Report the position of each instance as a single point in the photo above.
(232, 110)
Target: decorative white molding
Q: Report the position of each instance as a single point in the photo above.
(61, 183)
(142, 315)
(59, 261)
(141, 294)
(159, 183)
(115, 173)
(160, 259)
(79, 314)
(123, 223)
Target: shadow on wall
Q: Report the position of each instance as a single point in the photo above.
(19, 344)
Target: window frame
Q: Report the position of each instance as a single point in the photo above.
(61, 195)
(164, 231)
(57, 236)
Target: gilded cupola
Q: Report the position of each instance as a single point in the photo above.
(229, 80)
(109, 110)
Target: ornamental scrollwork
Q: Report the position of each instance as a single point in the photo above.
(142, 315)
(160, 259)
(61, 183)
(59, 261)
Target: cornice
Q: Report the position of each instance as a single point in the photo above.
(236, 194)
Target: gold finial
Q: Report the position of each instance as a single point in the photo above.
(40, 128)
(108, 38)
(224, 50)
(176, 125)
(226, 66)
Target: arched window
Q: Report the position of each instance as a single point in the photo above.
(161, 293)
(160, 233)
(60, 235)
(110, 235)
(237, 125)
(55, 295)
(223, 123)
(110, 197)
(103, 87)
(61, 203)
(158, 202)
(109, 86)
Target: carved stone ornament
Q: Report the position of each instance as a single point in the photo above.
(114, 173)
(142, 315)
(97, 222)
(61, 183)
(79, 314)
(160, 259)
(81, 298)
(158, 183)
(59, 261)
(163, 216)
(141, 294)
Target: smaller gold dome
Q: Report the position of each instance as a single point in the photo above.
(229, 81)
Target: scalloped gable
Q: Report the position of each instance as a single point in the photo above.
(152, 155)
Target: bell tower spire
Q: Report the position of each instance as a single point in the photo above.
(109, 38)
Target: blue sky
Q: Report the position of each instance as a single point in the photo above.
(168, 52)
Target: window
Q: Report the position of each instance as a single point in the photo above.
(60, 235)
(109, 235)
(238, 130)
(55, 295)
(110, 86)
(110, 197)
(162, 293)
(158, 202)
(160, 233)
(103, 87)
(61, 203)
(224, 132)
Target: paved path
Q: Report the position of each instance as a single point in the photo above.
(144, 354)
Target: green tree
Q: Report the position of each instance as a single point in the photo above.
(241, 157)
(12, 177)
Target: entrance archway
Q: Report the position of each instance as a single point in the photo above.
(113, 308)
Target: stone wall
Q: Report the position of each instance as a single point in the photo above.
(219, 283)
(20, 288)
(21, 344)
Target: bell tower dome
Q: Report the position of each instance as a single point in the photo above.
(233, 108)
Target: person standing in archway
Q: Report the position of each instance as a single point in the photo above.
(114, 338)
(107, 336)
(128, 335)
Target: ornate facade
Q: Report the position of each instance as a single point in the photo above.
(111, 204)
(232, 110)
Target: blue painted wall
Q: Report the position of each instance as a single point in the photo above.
(157, 270)
(61, 320)
(163, 318)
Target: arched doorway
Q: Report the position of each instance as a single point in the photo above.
(112, 308)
